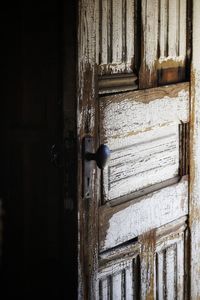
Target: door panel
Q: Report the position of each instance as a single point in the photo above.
(142, 131)
(116, 41)
(115, 284)
(116, 49)
(128, 265)
(165, 40)
(127, 221)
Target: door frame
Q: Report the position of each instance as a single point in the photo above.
(194, 199)
(87, 126)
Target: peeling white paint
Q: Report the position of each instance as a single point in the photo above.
(152, 211)
(117, 37)
(179, 59)
(144, 163)
(169, 248)
(123, 115)
(150, 31)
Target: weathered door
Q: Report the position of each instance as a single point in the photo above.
(134, 96)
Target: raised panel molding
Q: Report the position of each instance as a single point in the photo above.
(172, 41)
(143, 164)
(172, 29)
(121, 282)
(147, 135)
(117, 44)
(160, 42)
(170, 269)
(159, 254)
(166, 42)
(116, 38)
(128, 220)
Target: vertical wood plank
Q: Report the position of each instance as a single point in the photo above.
(104, 289)
(87, 212)
(171, 273)
(160, 275)
(147, 265)
(163, 28)
(124, 13)
(104, 31)
(194, 217)
(97, 33)
(130, 32)
(148, 72)
(173, 25)
(116, 31)
(129, 283)
(180, 270)
(117, 287)
(109, 22)
(183, 27)
(136, 278)
(116, 34)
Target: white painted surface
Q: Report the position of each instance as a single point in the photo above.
(182, 28)
(163, 34)
(129, 288)
(152, 211)
(167, 248)
(105, 28)
(160, 274)
(171, 272)
(173, 28)
(143, 163)
(117, 37)
(104, 292)
(170, 268)
(180, 268)
(117, 31)
(143, 135)
(118, 280)
(130, 31)
(130, 113)
(117, 286)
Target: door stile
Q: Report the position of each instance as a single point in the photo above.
(149, 48)
(87, 122)
(194, 211)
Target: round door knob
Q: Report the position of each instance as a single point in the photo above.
(101, 156)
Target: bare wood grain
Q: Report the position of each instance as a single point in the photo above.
(194, 217)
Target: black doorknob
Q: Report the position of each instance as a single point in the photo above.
(101, 156)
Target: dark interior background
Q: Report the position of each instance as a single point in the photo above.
(37, 101)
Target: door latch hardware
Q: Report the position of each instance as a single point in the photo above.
(88, 166)
(101, 157)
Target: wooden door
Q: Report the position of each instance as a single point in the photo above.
(31, 118)
(137, 220)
